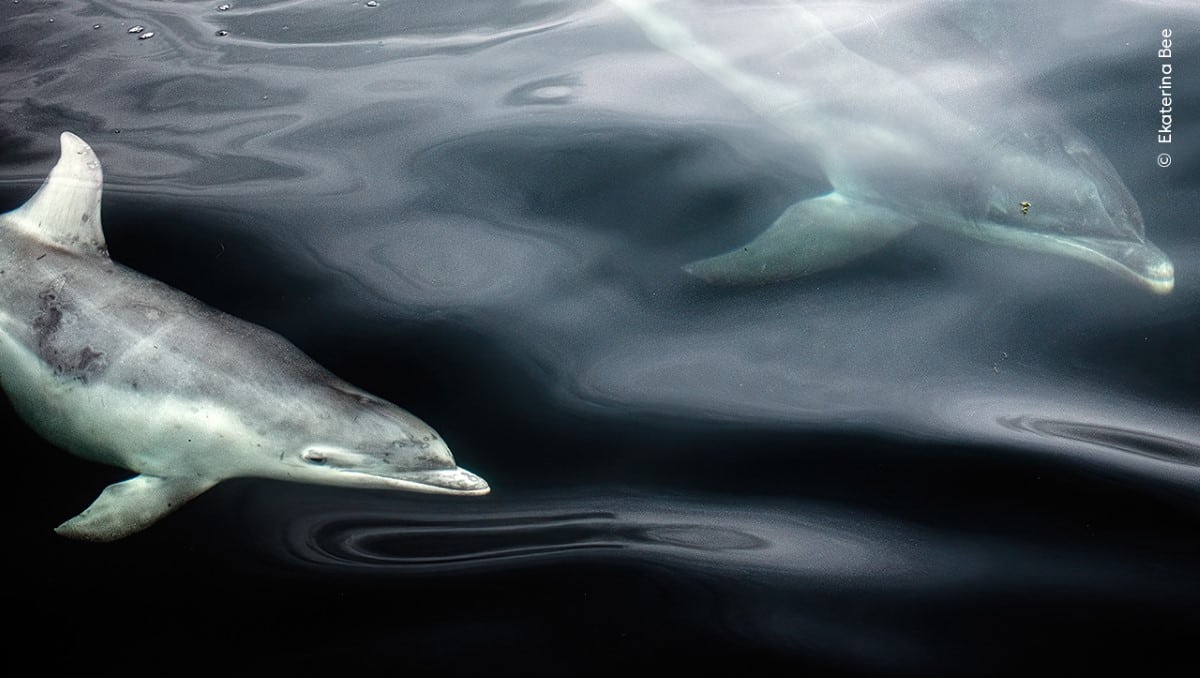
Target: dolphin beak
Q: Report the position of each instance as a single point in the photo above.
(442, 481)
(1142, 262)
(439, 481)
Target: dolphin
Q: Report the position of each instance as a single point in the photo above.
(899, 149)
(122, 369)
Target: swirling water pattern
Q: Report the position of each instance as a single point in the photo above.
(946, 458)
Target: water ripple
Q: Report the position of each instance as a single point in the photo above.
(408, 538)
(1142, 443)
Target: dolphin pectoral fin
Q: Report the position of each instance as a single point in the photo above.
(810, 236)
(130, 506)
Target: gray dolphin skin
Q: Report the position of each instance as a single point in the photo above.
(898, 151)
(122, 369)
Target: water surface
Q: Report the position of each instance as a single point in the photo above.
(947, 457)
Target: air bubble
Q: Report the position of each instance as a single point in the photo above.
(95, 27)
(146, 36)
(223, 7)
(136, 29)
(222, 33)
(372, 3)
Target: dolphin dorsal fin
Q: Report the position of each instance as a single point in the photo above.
(65, 211)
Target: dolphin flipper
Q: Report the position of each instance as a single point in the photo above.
(132, 505)
(810, 236)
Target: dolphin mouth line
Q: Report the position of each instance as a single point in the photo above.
(455, 481)
(1156, 273)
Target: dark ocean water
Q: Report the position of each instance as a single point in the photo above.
(948, 457)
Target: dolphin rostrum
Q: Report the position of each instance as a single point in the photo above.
(901, 148)
(122, 369)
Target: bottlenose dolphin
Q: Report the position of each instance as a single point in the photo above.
(122, 369)
(901, 149)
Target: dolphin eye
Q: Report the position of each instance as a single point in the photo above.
(315, 457)
(335, 457)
